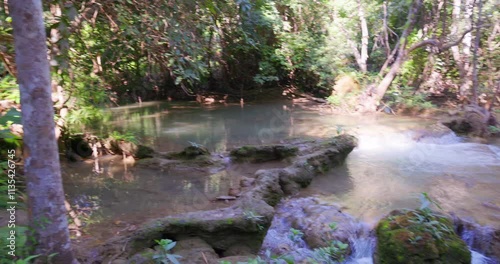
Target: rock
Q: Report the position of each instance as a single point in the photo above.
(190, 152)
(246, 221)
(236, 259)
(266, 187)
(432, 131)
(243, 223)
(126, 147)
(419, 236)
(171, 162)
(263, 153)
(143, 152)
(238, 250)
(483, 239)
(320, 223)
(459, 126)
(195, 250)
(234, 192)
(246, 182)
(144, 257)
(474, 121)
(120, 261)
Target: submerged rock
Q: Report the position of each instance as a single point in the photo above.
(246, 221)
(419, 236)
(143, 152)
(432, 131)
(263, 153)
(190, 152)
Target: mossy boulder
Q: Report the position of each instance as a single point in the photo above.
(189, 153)
(419, 236)
(143, 152)
(263, 153)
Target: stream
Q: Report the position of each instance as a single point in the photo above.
(388, 170)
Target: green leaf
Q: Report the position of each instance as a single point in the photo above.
(173, 258)
(13, 115)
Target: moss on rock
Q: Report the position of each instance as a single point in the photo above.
(263, 153)
(419, 236)
(191, 152)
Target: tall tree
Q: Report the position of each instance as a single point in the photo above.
(47, 213)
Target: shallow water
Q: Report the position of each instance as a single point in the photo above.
(390, 171)
(387, 171)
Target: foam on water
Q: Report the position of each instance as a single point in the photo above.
(478, 258)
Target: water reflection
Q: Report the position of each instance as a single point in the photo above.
(387, 171)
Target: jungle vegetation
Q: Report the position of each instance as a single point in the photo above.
(115, 52)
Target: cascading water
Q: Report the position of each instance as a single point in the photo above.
(280, 240)
(479, 239)
(363, 247)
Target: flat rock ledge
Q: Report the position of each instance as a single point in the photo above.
(246, 221)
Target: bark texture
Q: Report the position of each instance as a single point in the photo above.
(47, 212)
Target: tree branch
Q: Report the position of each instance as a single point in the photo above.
(437, 43)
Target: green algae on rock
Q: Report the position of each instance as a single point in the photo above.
(419, 236)
(263, 153)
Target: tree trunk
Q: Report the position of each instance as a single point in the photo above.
(364, 39)
(466, 81)
(461, 54)
(386, 32)
(454, 30)
(475, 80)
(47, 212)
(402, 52)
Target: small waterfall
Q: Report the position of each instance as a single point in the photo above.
(447, 139)
(363, 245)
(478, 258)
(479, 240)
(279, 240)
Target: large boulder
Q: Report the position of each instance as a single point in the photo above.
(419, 236)
(474, 121)
(320, 223)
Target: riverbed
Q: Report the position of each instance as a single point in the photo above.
(388, 170)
